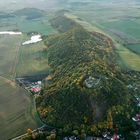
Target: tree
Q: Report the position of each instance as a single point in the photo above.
(29, 131)
(51, 137)
(75, 132)
(110, 120)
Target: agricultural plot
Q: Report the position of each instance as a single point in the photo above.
(127, 28)
(42, 27)
(9, 49)
(28, 59)
(27, 20)
(16, 110)
(127, 58)
(32, 60)
(135, 48)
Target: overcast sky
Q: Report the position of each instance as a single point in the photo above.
(18, 4)
(54, 4)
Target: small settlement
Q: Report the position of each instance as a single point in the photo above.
(33, 87)
(33, 84)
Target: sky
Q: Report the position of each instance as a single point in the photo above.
(19, 4)
(11, 5)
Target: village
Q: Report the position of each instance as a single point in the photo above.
(32, 84)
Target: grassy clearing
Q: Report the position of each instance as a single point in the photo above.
(15, 110)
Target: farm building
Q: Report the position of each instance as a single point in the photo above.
(36, 90)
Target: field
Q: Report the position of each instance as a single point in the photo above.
(32, 60)
(18, 60)
(16, 106)
(27, 20)
(135, 48)
(16, 110)
(9, 49)
(128, 59)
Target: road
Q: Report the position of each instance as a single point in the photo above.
(24, 135)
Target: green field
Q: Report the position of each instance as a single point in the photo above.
(127, 28)
(128, 59)
(9, 49)
(135, 48)
(41, 26)
(27, 20)
(16, 106)
(32, 60)
(18, 60)
(17, 111)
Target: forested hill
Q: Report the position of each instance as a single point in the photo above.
(85, 87)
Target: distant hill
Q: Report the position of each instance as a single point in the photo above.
(62, 23)
(29, 13)
(87, 87)
(6, 15)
